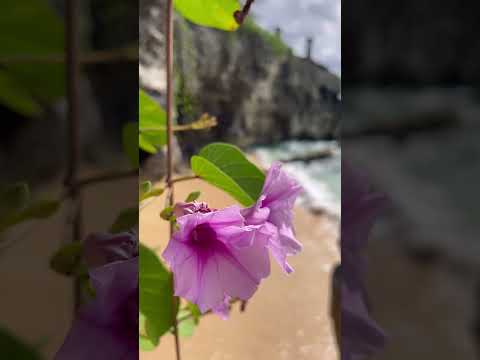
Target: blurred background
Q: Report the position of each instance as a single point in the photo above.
(410, 116)
(37, 304)
(274, 87)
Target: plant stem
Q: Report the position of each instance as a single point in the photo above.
(73, 136)
(95, 57)
(241, 15)
(184, 178)
(106, 177)
(170, 183)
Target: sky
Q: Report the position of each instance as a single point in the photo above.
(298, 19)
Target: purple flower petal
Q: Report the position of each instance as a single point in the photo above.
(215, 256)
(111, 319)
(275, 208)
(361, 336)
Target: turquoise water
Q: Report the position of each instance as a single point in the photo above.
(321, 178)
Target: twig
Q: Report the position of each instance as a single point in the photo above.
(241, 15)
(106, 177)
(95, 57)
(184, 178)
(73, 75)
(170, 183)
(243, 306)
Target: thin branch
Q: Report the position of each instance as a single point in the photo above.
(241, 15)
(203, 123)
(95, 57)
(106, 177)
(170, 195)
(73, 136)
(184, 178)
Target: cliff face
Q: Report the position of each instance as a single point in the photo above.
(248, 79)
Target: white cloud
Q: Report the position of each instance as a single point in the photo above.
(299, 19)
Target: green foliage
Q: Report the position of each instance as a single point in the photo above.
(211, 13)
(126, 220)
(13, 348)
(226, 167)
(144, 342)
(167, 213)
(276, 43)
(130, 143)
(16, 206)
(146, 191)
(152, 124)
(13, 198)
(30, 30)
(157, 308)
(188, 318)
(193, 196)
(68, 259)
(187, 326)
(17, 97)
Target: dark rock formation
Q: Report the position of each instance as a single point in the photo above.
(248, 79)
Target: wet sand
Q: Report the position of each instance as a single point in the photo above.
(288, 318)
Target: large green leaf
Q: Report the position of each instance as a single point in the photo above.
(152, 124)
(157, 307)
(13, 348)
(212, 13)
(226, 167)
(17, 97)
(30, 29)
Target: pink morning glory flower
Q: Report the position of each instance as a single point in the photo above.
(106, 327)
(274, 209)
(361, 337)
(215, 256)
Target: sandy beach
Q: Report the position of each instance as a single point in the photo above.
(288, 318)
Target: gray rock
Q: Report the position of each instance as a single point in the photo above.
(248, 79)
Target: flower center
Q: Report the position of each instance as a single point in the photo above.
(203, 236)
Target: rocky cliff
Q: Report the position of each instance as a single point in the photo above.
(248, 79)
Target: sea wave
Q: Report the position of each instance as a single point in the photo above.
(315, 164)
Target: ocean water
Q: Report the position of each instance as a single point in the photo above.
(321, 178)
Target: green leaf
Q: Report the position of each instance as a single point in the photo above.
(167, 213)
(17, 97)
(211, 13)
(145, 144)
(38, 32)
(14, 348)
(195, 311)
(37, 210)
(156, 296)
(146, 191)
(187, 326)
(226, 167)
(40, 210)
(125, 221)
(130, 143)
(146, 344)
(193, 196)
(145, 187)
(152, 124)
(13, 198)
(68, 259)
